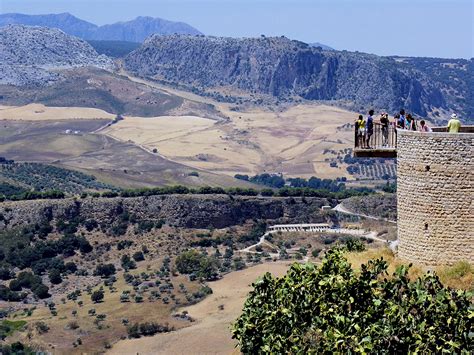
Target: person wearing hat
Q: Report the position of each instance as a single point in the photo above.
(454, 125)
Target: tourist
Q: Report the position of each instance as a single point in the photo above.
(454, 125)
(424, 127)
(384, 122)
(401, 119)
(360, 125)
(369, 128)
(410, 124)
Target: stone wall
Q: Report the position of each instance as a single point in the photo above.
(435, 192)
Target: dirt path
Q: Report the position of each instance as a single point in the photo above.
(342, 209)
(210, 333)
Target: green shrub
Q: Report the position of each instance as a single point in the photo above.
(97, 296)
(147, 329)
(333, 309)
(315, 253)
(193, 262)
(55, 277)
(138, 256)
(127, 262)
(104, 270)
(267, 192)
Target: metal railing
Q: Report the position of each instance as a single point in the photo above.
(381, 137)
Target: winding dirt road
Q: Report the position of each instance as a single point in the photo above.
(210, 334)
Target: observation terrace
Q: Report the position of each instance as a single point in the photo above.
(385, 146)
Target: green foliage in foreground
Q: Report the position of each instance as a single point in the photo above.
(332, 308)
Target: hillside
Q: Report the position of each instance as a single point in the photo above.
(113, 49)
(100, 89)
(90, 269)
(291, 70)
(31, 55)
(133, 31)
(42, 177)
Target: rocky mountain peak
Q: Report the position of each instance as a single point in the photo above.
(32, 54)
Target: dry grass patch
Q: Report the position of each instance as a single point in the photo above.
(39, 112)
(460, 275)
(291, 141)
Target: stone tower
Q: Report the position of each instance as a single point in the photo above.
(435, 192)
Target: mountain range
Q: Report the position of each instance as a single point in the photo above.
(132, 31)
(272, 69)
(290, 70)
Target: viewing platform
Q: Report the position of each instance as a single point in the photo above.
(383, 143)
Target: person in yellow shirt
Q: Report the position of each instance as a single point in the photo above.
(454, 124)
(360, 125)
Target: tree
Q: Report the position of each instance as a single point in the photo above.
(41, 291)
(188, 261)
(193, 262)
(127, 263)
(333, 309)
(138, 256)
(104, 271)
(6, 274)
(71, 267)
(209, 268)
(55, 277)
(97, 296)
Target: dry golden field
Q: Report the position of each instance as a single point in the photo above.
(39, 112)
(291, 141)
(295, 140)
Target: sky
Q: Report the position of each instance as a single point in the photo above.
(428, 28)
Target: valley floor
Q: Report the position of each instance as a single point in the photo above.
(210, 334)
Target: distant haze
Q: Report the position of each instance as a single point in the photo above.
(435, 28)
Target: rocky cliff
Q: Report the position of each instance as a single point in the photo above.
(32, 55)
(286, 69)
(190, 211)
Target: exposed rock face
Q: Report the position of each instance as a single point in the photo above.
(190, 211)
(135, 30)
(284, 68)
(26, 76)
(31, 55)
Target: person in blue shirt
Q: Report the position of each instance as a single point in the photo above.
(402, 120)
(369, 128)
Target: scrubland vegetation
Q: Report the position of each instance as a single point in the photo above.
(333, 308)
